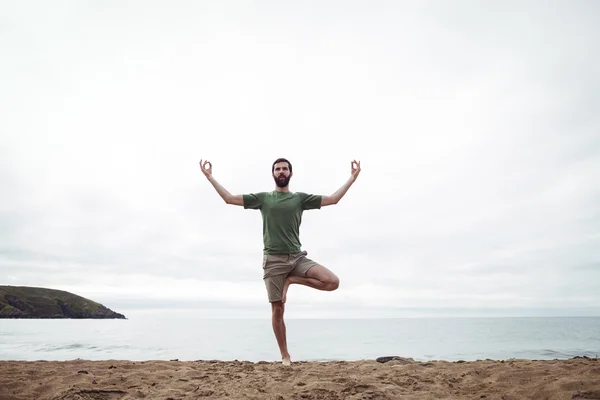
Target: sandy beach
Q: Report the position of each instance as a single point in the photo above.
(577, 378)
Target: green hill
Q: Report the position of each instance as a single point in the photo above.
(35, 302)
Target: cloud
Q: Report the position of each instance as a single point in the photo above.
(476, 127)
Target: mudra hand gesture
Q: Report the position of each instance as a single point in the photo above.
(355, 169)
(206, 171)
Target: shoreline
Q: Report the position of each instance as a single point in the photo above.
(574, 378)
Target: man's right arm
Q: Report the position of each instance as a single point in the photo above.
(236, 200)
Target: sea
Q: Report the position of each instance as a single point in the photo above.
(186, 338)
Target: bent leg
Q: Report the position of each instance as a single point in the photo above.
(279, 329)
(329, 280)
(317, 277)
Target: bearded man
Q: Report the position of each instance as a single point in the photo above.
(284, 261)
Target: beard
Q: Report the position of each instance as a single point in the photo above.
(282, 181)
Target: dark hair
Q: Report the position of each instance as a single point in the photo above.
(278, 161)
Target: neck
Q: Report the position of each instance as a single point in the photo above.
(282, 189)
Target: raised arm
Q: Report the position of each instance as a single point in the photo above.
(337, 196)
(236, 200)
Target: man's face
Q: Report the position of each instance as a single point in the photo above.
(281, 174)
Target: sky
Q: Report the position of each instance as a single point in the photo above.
(476, 124)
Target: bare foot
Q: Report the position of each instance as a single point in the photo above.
(286, 285)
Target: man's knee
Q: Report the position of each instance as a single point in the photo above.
(334, 283)
(325, 276)
(277, 308)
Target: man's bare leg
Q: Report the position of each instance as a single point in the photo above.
(317, 277)
(279, 330)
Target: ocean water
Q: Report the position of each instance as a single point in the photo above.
(187, 338)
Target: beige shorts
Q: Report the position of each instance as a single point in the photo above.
(277, 267)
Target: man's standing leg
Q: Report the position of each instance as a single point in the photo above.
(278, 323)
(276, 268)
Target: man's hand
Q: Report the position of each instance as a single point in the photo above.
(206, 171)
(355, 169)
(337, 196)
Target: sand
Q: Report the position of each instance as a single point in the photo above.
(577, 378)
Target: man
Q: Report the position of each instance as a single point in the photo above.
(284, 262)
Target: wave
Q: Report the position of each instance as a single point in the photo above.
(569, 354)
(80, 346)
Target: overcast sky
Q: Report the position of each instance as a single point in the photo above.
(477, 125)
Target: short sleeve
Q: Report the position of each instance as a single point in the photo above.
(253, 201)
(311, 201)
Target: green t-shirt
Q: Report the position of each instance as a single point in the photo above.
(281, 216)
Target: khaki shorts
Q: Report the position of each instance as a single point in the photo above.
(277, 267)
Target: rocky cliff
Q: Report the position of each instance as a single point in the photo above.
(36, 302)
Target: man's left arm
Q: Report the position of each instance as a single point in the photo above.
(328, 200)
